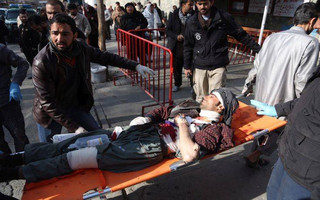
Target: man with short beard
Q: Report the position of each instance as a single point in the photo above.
(61, 76)
(55, 6)
(206, 46)
(82, 22)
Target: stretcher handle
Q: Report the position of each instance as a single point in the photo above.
(96, 194)
(257, 134)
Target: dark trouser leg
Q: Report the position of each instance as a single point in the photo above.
(12, 118)
(44, 161)
(177, 71)
(4, 147)
(108, 34)
(46, 169)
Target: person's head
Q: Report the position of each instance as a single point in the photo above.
(117, 3)
(95, 6)
(63, 31)
(23, 15)
(151, 7)
(53, 7)
(118, 8)
(307, 17)
(204, 6)
(129, 8)
(155, 5)
(221, 101)
(38, 23)
(174, 7)
(73, 9)
(186, 5)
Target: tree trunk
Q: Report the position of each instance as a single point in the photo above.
(101, 25)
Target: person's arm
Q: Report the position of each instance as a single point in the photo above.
(87, 26)
(307, 66)
(107, 15)
(159, 114)
(188, 46)
(235, 30)
(188, 148)
(251, 79)
(106, 58)
(284, 109)
(169, 28)
(143, 22)
(45, 87)
(16, 61)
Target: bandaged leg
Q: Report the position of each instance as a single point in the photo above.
(83, 158)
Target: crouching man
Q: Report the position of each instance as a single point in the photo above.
(61, 77)
(184, 130)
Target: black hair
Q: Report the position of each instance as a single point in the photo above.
(305, 12)
(184, 2)
(72, 6)
(56, 2)
(62, 18)
(23, 11)
(35, 20)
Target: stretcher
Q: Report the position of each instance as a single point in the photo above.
(247, 126)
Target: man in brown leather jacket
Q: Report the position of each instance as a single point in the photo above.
(61, 76)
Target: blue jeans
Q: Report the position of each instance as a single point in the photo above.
(82, 118)
(282, 187)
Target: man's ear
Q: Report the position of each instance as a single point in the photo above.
(220, 108)
(313, 21)
(75, 35)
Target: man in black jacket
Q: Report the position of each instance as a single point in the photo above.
(61, 76)
(10, 111)
(29, 38)
(206, 46)
(296, 174)
(175, 30)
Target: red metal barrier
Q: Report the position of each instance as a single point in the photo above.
(240, 53)
(155, 56)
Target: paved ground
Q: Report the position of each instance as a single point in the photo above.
(222, 177)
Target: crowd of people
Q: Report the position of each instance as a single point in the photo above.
(61, 42)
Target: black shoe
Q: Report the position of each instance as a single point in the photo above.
(5, 197)
(8, 174)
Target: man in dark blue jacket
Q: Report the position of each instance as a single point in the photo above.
(206, 46)
(10, 112)
(176, 27)
(296, 174)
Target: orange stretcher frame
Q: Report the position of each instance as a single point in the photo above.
(73, 186)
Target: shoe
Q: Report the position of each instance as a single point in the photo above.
(175, 89)
(257, 164)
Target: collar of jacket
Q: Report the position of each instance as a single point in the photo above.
(299, 29)
(215, 17)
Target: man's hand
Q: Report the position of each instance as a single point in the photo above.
(137, 28)
(144, 71)
(247, 90)
(264, 109)
(180, 38)
(180, 120)
(188, 72)
(14, 92)
(80, 130)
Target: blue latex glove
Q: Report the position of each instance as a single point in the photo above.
(14, 92)
(264, 109)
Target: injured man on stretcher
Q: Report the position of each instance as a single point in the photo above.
(188, 131)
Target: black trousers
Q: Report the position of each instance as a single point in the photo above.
(11, 117)
(178, 64)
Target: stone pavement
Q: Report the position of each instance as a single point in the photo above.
(223, 177)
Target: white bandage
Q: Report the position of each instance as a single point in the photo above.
(83, 158)
(139, 121)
